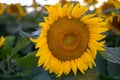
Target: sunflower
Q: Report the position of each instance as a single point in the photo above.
(1, 9)
(2, 40)
(34, 4)
(63, 1)
(110, 4)
(69, 39)
(113, 23)
(16, 10)
(90, 2)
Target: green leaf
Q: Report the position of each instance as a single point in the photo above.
(42, 77)
(89, 75)
(103, 54)
(28, 61)
(101, 64)
(113, 54)
(7, 48)
(5, 51)
(114, 70)
(103, 77)
(21, 43)
(9, 40)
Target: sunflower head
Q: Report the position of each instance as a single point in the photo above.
(2, 40)
(16, 10)
(110, 4)
(114, 23)
(35, 4)
(91, 2)
(1, 9)
(63, 1)
(69, 39)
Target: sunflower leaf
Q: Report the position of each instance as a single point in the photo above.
(28, 61)
(21, 43)
(89, 75)
(6, 49)
(113, 54)
(103, 54)
(42, 77)
(114, 70)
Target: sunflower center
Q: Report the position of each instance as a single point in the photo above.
(116, 22)
(107, 6)
(68, 39)
(14, 8)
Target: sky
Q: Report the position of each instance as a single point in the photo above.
(42, 2)
(29, 2)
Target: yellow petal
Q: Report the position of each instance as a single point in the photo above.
(41, 42)
(90, 58)
(73, 66)
(67, 67)
(2, 40)
(75, 9)
(44, 25)
(60, 72)
(92, 50)
(99, 30)
(69, 10)
(96, 36)
(98, 45)
(47, 60)
(47, 20)
(84, 66)
(80, 67)
(79, 11)
(42, 50)
(87, 17)
(93, 20)
(65, 9)
(59, 9)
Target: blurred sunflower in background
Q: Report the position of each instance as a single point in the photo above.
(113, 23)
(16, 10)
(1, 9)
(67, 2)
(35, 4)
(69, 39)
(91, 2)
(105, 9)
(2, 40)
(63, 1)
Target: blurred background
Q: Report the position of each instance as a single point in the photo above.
(19, 21)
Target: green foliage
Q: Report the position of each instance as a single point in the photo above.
(102, 77)
(113, 54)
(17, 55)
(114, 70)
(28, 61)
(21, 43)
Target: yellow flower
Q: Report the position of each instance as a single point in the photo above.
(2, 40)
(16, 10)
(110, 4)
(34, 4)
(1, 9)
(113, 23)
(69, 39)
(91, 1)
(63, 1)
